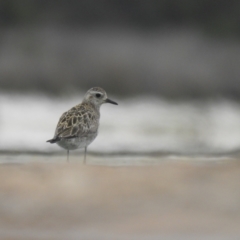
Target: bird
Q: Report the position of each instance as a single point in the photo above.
(78, 127)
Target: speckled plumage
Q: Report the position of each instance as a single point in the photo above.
(78, 127)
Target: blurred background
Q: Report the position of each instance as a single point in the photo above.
(175, 49)
(173, 66)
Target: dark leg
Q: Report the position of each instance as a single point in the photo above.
(85, 155)
(67, 155)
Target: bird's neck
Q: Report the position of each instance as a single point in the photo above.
(95, 106)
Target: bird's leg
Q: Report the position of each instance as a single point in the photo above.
(85, 155)
(67, 155)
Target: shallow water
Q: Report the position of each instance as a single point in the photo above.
(114, 161)
(136, 125)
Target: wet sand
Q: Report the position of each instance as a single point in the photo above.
(43, 197)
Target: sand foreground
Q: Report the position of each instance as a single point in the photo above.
(165, 201)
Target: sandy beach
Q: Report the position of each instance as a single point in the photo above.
(174, 199)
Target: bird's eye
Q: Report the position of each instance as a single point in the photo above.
(98, 95)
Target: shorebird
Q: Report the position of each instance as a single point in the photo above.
(78, 127)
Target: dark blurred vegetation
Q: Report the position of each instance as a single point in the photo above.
(219, 17)
(130, 47)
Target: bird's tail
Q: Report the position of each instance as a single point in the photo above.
(54, 140)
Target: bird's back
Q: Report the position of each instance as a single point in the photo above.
(80, 121)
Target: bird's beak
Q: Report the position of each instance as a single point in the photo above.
(110, 101)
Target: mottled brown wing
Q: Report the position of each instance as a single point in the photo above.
(75, 123)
